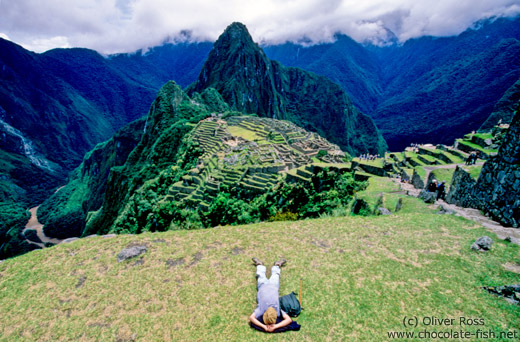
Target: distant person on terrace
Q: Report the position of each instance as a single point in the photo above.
(268, 307)
(441, 189)
(432, 187)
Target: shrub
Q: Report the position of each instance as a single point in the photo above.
(31, 234)
(321, 153)
(284, 216)
(71, 224)
(361, 207)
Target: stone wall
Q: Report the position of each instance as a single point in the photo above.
(497, 190)
(417, 181)
(498, 186)
(461, 189)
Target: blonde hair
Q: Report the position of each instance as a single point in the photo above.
(270, 316)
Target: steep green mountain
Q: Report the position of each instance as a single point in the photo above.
(200, 165)
(59, 104)
(504, 109)
(181, 62)
(111, 192)
(252, 83)
(64, 213)
(65, 210)
(54, 107)
(353, 66)
(429, 89)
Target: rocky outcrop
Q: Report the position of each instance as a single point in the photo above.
(511, 293)
(497, 190)
(498, 186)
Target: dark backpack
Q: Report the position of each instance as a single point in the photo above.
(290, 304)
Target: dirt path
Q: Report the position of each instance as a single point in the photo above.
(38, 227)
(471, 214)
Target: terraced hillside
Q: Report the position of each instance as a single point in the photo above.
(421, 164)
(194, 163)
(250, 154)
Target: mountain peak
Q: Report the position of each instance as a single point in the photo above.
(251, 83)
(238, 69)
(237, 30)
(236, 37)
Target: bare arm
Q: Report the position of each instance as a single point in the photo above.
(256, 322)
(286, 321)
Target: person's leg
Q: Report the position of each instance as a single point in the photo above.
(275, 276)
(260, 275)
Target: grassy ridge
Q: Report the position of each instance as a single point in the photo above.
(361, 277)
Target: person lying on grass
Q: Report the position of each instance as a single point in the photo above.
(268, 306)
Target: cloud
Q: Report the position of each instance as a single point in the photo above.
(44, 44)
(112, 26)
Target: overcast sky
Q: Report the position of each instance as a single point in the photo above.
(111, 26)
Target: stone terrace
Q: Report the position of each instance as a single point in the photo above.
(252, 158)
(422, 164)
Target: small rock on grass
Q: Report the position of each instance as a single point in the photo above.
(427, 197)
(445, 211)
(130, 252)
(384, 211)
(482, 244)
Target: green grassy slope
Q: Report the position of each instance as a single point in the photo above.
(361, 276)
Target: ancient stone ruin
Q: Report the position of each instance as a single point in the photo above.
(251, 153)
(497, 190)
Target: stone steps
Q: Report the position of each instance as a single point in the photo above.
(438, 154)
(251, 181)
(427, 161)
(180, 187)
(203, 206)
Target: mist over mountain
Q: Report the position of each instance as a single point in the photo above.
(428, 89)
